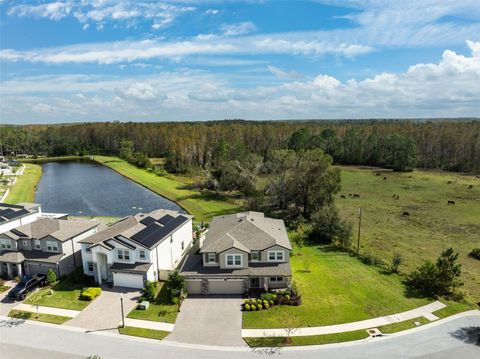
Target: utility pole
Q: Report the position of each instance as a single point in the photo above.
(359, 226)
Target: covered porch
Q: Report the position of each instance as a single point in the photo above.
(11, 265)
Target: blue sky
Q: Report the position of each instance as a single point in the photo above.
(105, 60)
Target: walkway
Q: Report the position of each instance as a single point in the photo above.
(105, 312)
(425, 311)
(212, 320)
(47, 310)
(148, 324)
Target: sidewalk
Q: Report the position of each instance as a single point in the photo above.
(148, 324)
(425, 311)
(47, 310)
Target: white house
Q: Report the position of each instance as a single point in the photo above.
(138, 248)
(16, 215)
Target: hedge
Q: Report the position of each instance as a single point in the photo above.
(90, 293)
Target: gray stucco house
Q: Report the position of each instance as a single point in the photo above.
(32, 244)
(240, 252)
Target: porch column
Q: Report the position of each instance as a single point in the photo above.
(9, 270)
(265, 283)
(99, 270)
(19, 269)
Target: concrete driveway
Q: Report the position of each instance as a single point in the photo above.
(104, 313)
(6, 304)
(212, 320)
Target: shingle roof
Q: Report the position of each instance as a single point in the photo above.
(193, 268)
(246, 231)
(11, 211)
(43, 257)
(136, 267)
(60, 229)
(147, 230)
(11, 257)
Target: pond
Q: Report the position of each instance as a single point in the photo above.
(84, 188)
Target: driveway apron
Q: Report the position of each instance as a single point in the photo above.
(212, 320)
(105, 312)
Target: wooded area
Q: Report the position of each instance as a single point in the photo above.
(441, 144)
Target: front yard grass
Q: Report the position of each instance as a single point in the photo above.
(48, 318)
(336, 288)
(161, 310)
(398, 327)
(24, 188)
(65, 294)
(452, 308)
(143, 332)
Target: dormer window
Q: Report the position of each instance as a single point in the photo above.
(275, 256)
(211, 258)
(233, 260)
(256, 256)
(123, 255)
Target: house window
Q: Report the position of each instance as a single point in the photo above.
(52, 246)
(37, 244)
(233, 260)
(276, 279)
(123, 255)
(5, 243)
(211, 258)
(256, 256)
(275, 256)
(142, 255)
(90, 266)
(183, 246)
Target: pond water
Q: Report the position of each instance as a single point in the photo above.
(85, 188)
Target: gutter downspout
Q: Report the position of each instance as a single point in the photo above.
(158, 269)
(73, 252)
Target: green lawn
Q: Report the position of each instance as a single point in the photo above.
(453, 308)
(3, 288)
(338, 289)
(307, 340)
(24, 188)
(176, 188)
(64, 295)
(432, 226)
(49, 318)
(398, 327)
(143, 332)
(159, 311)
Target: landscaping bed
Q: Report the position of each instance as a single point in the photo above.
(143, 332)
(48, 318)
(160, 310)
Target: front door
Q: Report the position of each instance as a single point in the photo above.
(254, 282)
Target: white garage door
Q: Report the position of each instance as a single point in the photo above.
(194, 286)
(233, 286)
(128, 280)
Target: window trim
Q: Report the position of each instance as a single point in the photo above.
(5, 243)
(125, 255)
(50, 248)
(276, 279)
(259, 256)
(276, 256)
(209, 258)
(88, 267)
(234, 257)
(144, 257)
(37, 244)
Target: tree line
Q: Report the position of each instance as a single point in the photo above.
(398, 144)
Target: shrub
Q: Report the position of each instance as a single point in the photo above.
(253, 307)
(265, 302)
(90, 293)
(51, 276)
(260, 307)
(266, 305)
(367, 259)
(287, 297)
(475, 253)
(396, 261)
(247, 306)
(271, 302)
(175, 284)
(150, 291)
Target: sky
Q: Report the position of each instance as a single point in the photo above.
(187, 60)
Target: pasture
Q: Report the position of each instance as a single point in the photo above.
(432, 224)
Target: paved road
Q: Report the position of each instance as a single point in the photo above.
(211, 320)
(447, 339)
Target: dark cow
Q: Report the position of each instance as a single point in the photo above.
(405, 214)
(397, 197)
(449, 182)
(378, 174)
(356, 195)
(384, 178)
(342, 196)
(470, 187)
(451, 202)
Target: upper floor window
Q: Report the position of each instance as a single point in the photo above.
(5, 243)
(256, 256)
(52, 246)
(123, 255)
(143, 255)
(211, 258)
(276, 256)
(276, 279)
(90, 266)
(37, 244)
(233, 260)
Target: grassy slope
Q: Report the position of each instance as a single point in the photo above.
(202, 206)
(49, 318)
(432, 226)
(338, 289)
(24, 188)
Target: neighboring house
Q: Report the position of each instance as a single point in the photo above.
(5, 169)
(138, 248)
(42, 244)
(16, 215)
(240, 252)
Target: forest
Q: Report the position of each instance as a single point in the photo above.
(398, 144)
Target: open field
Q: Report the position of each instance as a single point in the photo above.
(175, 188)
(432, 225)
(338, 289)
(24, 188)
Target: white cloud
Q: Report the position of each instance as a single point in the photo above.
(283, 74)
(450, 87)
(212, 11)
(53, 11)
(240, 28)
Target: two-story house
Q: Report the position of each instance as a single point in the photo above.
(240, 252)
(138, 248)
(41, 244)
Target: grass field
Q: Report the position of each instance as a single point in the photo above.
(432, 226)
(202, 206)
(24, 188)
(48, 318)
(338, 289)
